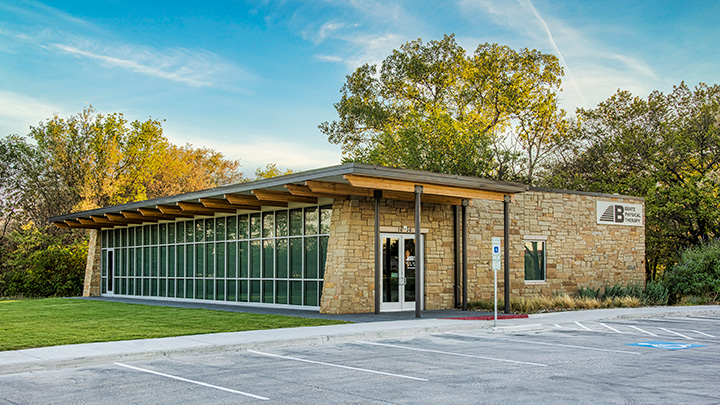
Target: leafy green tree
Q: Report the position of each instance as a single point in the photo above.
(697, 273)
(271, 170)
(86, 161)
(665, 148)
(434, 107)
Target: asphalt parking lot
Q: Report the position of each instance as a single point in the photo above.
(654, 360)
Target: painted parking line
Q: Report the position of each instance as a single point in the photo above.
(174, 377)
(583, 326)
(546, 343)
(610, 327)
(642, 330)
(337, 365)
(702, 333)
(677, 333)
(452, 353)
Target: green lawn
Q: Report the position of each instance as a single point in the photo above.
(60, 321)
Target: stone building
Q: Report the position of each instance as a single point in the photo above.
(343, 239)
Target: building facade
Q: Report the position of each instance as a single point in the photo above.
(344, 240)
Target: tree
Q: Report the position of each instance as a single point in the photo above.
(86, 161)
(665, 148)
(434, 107)
(271, 170)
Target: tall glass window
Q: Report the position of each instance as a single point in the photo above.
(270, 257)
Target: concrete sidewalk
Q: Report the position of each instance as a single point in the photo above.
(105, 352)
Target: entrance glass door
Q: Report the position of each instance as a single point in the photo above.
(399, 275)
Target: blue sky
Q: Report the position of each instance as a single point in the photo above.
(254, 79)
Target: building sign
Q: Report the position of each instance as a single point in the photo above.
(614, 213)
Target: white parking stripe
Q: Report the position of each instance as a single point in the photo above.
(336, 365)
(453, 354)
(546, 344)
(192, 381)
(675, 333)
(642, 330)
(703, 333)
(557, 325)
(610, 327)
(583, 326)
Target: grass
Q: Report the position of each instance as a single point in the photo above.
(60, 321)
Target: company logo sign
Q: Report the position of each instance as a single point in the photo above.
(611, 213)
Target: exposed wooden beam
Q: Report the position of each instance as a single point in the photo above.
(137, 216)
(73, 223)
(337, 188)
(305, 191)
(433, 189)
(243, 199)
(102, 220)
(426, 198)
(197, 207)
(61, 225)
(346, 189)
(283, 196)
(86, 221)
(223, 203)
(177, 211)
(157, 214)
(120, 219)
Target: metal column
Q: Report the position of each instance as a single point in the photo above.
(378, 246)
(506, 226)
(464, 256)
(419, 256)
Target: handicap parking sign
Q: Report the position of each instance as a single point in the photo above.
(496, 249)
(665, 345)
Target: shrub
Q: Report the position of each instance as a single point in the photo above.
(697, 273)
(43, 265)
(615, 291)
(587, 292)
(655, 294)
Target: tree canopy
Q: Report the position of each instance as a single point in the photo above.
(91, 160)
(665, 148)
(431, 106)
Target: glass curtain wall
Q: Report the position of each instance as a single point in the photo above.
(272, 257)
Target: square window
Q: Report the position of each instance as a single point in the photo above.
(534, 260)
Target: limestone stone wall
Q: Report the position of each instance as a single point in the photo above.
(579, 252)
(349, 284)
(91, 287)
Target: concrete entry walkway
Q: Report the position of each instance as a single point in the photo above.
(304, 313)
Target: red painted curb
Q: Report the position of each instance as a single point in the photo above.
(490, 317)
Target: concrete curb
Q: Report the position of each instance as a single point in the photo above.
(88, 354)
(518, 328)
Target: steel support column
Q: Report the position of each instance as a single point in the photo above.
(464, 256)
(378, 246)
(506, 226)
(457, 280)
(419, 256)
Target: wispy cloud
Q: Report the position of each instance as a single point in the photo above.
(593, 69)
(87, 42)
(370, 31)
(573, 82)
(191, 67)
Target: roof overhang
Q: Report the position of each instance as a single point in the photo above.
(297, 189)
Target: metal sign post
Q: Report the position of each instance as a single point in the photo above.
(495, 267)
